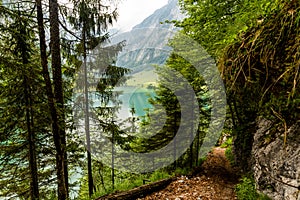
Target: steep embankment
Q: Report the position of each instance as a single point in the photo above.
(261, 72)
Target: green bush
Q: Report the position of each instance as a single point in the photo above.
(202, 160)
(246, 190)
(229, 155)
(159, 175)
(227, 143)
(182, 171)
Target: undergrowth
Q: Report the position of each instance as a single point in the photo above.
(230, 156)
(261, 74)
(227, 143)
(246, 190)
(124, 184)
(228, 152)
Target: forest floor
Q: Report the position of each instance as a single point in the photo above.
(215, 180)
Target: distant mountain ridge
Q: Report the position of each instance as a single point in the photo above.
(170, 12)
(146, 43)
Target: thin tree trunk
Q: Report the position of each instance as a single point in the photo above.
(113, 159)
(192, 140)
(34, 188)
(62, 191)
(58, 95)
(197, 147)
(87, 122)
(33, 159)
(174, 149)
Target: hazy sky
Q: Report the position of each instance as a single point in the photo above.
(132, 12)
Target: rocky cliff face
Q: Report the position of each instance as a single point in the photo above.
(277, 166)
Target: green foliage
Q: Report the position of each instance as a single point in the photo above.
(215, 24)
(182, 171)
(228, 152)
(202, 160)
(270, 76)
(24, 110)
(260, 67)
(24, 115)
(261, 73)
(123, 182)
(218, 22)
(246, 190)
(229, 155)
(227, 143)
(166, 104)
(92, 16)
(158, 175)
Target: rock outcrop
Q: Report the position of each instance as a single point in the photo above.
(276, 165)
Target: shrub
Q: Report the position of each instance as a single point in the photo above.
(229, 155)
(246, 190)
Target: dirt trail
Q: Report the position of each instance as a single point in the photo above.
(215, 180)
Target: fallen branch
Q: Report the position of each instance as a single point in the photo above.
(139, 191)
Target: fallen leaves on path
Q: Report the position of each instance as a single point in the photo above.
(215, 180)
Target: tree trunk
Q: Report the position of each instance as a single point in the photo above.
(58, 83)
(60, 154)
(58, 95)
(191, 149)
(87, 119)
(197, 147)
(34, 188)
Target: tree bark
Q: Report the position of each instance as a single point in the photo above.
(87, 119)
(58, 87)
(34, 188)
(60, 154)
(29, 114)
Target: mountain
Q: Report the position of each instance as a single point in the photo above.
(169, 12)
(146, 43)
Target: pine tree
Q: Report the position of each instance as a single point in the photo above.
(91, 18)
(169, 82)
(21, 105)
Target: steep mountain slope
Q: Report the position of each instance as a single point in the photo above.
(146, 43)
(170, 11)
